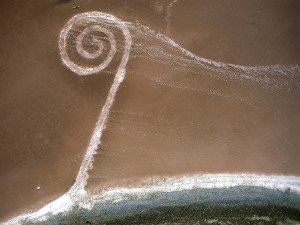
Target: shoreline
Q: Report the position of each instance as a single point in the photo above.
(249, 189)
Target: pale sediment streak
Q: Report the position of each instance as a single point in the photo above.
(77, 195)
(284, 77)
(168, 14)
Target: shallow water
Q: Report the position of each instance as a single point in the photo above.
(176, 112)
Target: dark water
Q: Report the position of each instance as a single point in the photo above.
(238, 205)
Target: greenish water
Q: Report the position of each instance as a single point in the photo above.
(199, 214)
(236, 205)
(192, 214)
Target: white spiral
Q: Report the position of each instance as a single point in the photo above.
(100, 23)
(95, 22)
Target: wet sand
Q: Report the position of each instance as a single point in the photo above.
(171, 117)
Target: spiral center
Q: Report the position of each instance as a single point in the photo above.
(98, 44)
(80, 49)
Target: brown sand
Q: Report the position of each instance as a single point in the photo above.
(48, 112)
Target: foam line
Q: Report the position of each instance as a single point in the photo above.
(289, 184)
(205, 181)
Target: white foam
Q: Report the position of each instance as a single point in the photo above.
(62, 204)
(205, 181)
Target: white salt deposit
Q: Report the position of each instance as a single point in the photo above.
(100, 19)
